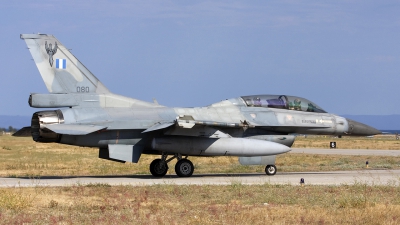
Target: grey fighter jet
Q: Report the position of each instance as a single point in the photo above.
(255, 128)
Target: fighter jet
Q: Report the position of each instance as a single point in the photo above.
(255, 128)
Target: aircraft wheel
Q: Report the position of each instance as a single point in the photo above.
(270, 170)
(184, 168)
(158, 168)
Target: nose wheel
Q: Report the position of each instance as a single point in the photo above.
(183, 168)
(270, 170)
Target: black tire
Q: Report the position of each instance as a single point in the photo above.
(158, 168)
(184, 168)
(270, 170)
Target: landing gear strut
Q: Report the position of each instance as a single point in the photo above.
(183, 168)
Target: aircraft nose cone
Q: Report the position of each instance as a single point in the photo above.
(360, 129)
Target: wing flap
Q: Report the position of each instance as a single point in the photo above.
(74, 129)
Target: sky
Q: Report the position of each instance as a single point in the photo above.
(342, 55)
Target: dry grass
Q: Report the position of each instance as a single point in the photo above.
(232, 204)
(192, 204)
(21, 157)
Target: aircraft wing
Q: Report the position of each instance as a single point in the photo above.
(193, 128)
(159, 126)
(294, 127)
(74, 129)
(243, 124)
(188, 124)
(212, 129)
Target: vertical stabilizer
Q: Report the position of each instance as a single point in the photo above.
(60, 70)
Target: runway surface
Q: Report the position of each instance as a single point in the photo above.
(376, 177)
(346, 151)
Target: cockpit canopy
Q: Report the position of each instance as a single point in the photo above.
(282, 102)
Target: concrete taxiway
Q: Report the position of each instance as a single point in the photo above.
(367, 176)
(371, 177)
(346, 151)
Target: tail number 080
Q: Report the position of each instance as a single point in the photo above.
(82, 89)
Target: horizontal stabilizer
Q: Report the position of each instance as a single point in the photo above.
(74, 129)
(23, 132)
(158, 126)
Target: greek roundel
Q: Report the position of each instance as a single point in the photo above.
(61, 63)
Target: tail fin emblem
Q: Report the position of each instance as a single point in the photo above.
(51, 51)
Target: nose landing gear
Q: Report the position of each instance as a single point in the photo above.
(270, 170)
(183, 168)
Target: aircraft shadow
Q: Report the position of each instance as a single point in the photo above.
(148, 176)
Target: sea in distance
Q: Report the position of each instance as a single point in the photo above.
(390, 131)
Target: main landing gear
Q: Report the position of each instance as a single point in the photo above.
(183, 168)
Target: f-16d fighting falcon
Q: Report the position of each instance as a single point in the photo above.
(255, 128)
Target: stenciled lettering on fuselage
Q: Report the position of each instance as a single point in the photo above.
(316, 121)
(309, 121)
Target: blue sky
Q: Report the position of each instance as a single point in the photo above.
(342, 55)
